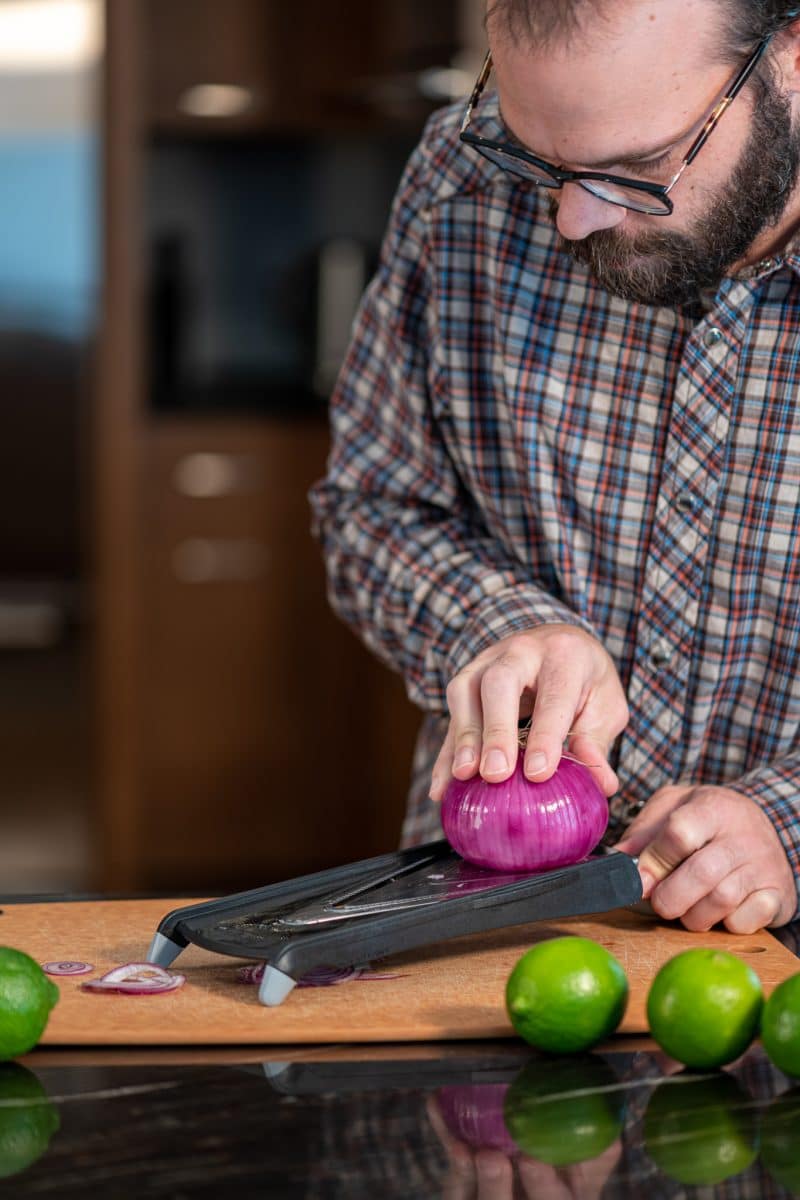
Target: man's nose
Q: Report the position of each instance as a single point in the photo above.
(580, 213)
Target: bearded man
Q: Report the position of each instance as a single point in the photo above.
(565, 471)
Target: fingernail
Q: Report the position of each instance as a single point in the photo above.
(464, 757)
(495, 762)
(536, 763)
(648, 883)
(435, 785)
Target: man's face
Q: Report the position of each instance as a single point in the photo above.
(649, 78)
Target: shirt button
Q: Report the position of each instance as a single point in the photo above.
(660, 654)
(712, 337)
(685, 502)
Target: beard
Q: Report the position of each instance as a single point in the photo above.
(669, 269)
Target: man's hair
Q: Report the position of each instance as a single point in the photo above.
(544, 22)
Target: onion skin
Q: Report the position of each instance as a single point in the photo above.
(519, 825)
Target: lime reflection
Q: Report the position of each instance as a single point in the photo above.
(28, 1119)
(700, 1131)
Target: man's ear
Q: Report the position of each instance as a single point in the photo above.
(788, 55)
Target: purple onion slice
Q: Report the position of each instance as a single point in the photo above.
(67, 968)
(136, 979)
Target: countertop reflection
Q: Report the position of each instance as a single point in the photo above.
(459, 1120)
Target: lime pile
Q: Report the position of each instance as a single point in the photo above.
(27, 998)
(704, 1006)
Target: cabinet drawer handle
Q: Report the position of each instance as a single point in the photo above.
(208, 474)
(220, 560)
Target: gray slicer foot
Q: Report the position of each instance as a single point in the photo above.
(275, 986)
(162, 951)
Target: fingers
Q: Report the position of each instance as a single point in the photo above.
(442, 768)
(714, 858)
(558, 696)
(760, 909)
(685, 831)
(576, 691)
(643, 829)
(715, 893)
(501, 687)
(484, 1175)
(495, 1175)
(592, 754)
(537, 1180)
(459, 1184)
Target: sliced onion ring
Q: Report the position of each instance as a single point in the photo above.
(327, 976)
(319, 977)
(136, 979)
(67, 968)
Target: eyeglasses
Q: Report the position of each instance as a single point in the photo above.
(635, 194)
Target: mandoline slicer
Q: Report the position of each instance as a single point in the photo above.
(380, 906)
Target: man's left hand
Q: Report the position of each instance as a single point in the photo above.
(710, 854)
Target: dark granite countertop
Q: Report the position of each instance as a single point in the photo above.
(396, 1121)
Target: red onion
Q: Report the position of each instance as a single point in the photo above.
(136, 979)
(67, 968)
(474, 1114)
(520, 825)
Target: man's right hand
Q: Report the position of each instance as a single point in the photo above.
(562, 678)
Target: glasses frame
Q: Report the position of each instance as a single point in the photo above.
(659, 191)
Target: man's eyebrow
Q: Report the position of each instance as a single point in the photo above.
(630, 160)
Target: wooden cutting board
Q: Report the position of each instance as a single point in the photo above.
(451, 990)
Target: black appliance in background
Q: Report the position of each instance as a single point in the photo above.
(259, 254)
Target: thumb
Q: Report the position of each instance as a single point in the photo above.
(655, 864)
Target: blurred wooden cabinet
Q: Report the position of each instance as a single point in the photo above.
(312, 64)
(262, 742)
(244, 734)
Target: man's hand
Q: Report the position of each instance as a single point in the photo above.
(489, 1174)
(710, 854)
(560, 675)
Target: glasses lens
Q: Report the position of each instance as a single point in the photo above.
(627, 197)
(518, 166)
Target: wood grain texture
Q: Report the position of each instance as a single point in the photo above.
(451, 990)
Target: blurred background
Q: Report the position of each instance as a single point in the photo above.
(192, 197)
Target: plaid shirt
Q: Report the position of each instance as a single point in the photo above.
(514, 446)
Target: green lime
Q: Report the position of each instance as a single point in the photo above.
(26, 999)
(780, 1026)
(779, 1126)
(704, 1007)
(701, 1131)
(566, 1110)
(566, 994)
(27, 1119)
